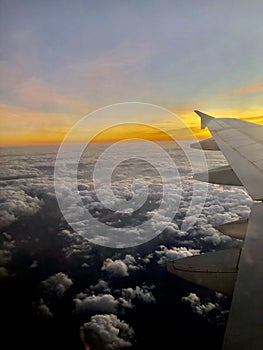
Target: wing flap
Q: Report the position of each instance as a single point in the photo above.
(207, 145)
(223, 176)
(215, 270)
(236, 229)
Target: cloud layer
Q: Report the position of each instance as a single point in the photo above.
(107, 331)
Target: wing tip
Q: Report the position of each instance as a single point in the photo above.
(205, 118)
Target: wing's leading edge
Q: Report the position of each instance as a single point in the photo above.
(242, 144)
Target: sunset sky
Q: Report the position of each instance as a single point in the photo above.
(61, 60)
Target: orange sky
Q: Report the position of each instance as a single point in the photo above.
(20, 126)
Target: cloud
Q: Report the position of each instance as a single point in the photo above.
(7, 236)
(100, 286)
(43, 310)
(116, 268)
(120, 268)
(105, 303)
(197, 306)
(107, 332)
(5, 257)
(117, 302)
(36, 93)
(223, 204)
(3, 272)
(248, 89)
(19, 125)
(104, 75)
(16, 203)
(130, 261)
(56, 285)
(164, 254)
(255, 119)
(8, 242)
(138, 293)
(34, 264)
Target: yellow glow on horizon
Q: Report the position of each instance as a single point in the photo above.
(19, 126)
(131, 131)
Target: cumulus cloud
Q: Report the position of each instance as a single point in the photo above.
(116, 268)
(21, 195)
(197, 306)
(117, 302)
(15, 203)
(8, 244)
(164, 254)
(57, 284)
(107, 332)
(100, 286)
(120, 268)
(139, 293)
(3, 272)
(43, 310)
(34, 264)
(77, 246)
(105, 303)
(5, 257)
(131, 263)
(223, 204)
(7, 236)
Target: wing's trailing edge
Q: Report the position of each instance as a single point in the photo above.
(235, 229)
(207, 145)
(223, 175)
(242, 144)
(216, 270)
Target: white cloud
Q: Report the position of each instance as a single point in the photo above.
(34, 264)
(138, 293)
(5, 257)
(164, 254)
(7, 236)
(57, 284)
(125, 303)
(223, 204)
(105, 303)
(43, 310)
(100, 286)
(120, 268)
(3, 272)
(115, 268)
(8, 244)
(197, 305)
(107, 331)
(15, 203)
(131, 263)
(19, 197)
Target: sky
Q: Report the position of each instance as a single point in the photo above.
(61, 60)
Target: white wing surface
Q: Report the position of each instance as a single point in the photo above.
(242, 145)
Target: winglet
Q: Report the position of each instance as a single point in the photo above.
(205, 118)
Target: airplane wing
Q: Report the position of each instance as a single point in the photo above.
(235, 271)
